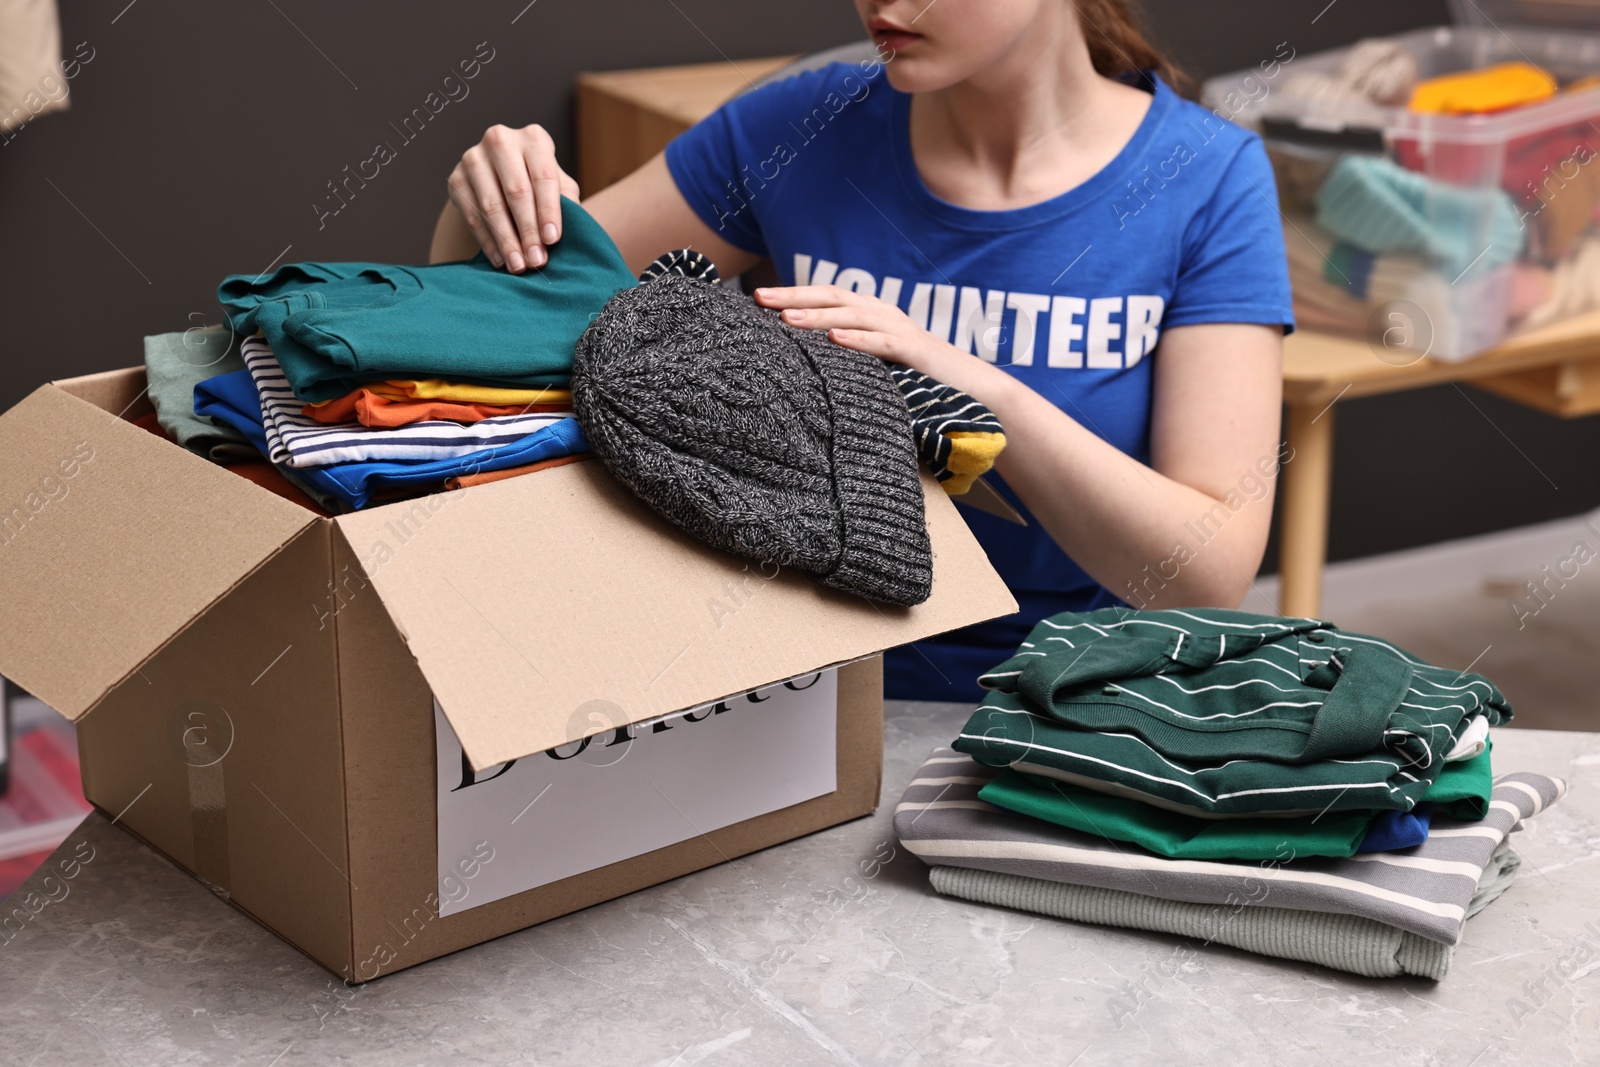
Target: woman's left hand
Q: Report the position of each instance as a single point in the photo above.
(861, 322)
(867, 324)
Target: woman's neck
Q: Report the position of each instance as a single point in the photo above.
(1028, 130)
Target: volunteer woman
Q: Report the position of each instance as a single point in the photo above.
(1013, 200)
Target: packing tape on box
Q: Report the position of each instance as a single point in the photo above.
(204, 751)
(209, 812)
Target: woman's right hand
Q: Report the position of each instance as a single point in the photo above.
(508, 188)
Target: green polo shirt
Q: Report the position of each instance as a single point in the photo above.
(1461, 791)
(1215, 712)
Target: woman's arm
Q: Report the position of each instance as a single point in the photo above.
(452, 239)
(1190, 528)
(646, 215)
(505, 197)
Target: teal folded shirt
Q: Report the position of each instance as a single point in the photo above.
(1379, 206)
(335, 327)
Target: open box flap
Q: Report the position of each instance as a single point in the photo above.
(111, 541)
(540, 605)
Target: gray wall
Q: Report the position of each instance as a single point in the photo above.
(202, 135)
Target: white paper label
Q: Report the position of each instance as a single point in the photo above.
(628, 790)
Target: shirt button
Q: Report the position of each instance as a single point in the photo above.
(1317, 637)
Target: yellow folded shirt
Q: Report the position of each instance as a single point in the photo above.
(1475, 92)
(439, 389)
(972, 454)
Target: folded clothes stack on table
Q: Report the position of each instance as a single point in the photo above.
(1141, 768)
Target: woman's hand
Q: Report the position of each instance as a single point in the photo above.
(869, 325)
(508, 187)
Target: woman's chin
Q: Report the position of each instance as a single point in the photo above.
(921, 74)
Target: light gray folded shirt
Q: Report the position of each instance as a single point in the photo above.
(174, 364)
(1343, 942)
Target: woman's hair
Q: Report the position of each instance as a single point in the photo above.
(1117, 45)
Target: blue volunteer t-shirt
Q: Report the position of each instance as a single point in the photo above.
(1070, 295)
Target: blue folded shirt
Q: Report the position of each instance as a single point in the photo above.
(1398, 829)
(232, 400)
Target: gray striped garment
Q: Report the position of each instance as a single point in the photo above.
(297, 440)
(1426, 889)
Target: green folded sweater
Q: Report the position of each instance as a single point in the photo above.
(1461, 791)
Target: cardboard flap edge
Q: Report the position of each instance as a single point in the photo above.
(84, 497)
(440, 566)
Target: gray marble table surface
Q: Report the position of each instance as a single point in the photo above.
(806, 954)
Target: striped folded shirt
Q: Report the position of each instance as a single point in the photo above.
(1427, 890)
(297, 440)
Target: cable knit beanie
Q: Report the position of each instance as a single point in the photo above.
(764, 440)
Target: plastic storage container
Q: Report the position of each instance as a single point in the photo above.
(1431, 233)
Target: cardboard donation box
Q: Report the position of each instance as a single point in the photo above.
(397, 733)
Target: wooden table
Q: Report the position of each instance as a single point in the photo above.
(1555, 369)
(626, 117)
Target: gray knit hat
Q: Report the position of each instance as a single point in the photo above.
(764, 440)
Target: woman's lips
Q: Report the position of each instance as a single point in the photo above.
(895, 39)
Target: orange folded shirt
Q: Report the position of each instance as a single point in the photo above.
(379, 412)
(465, 480)
(438, 389)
